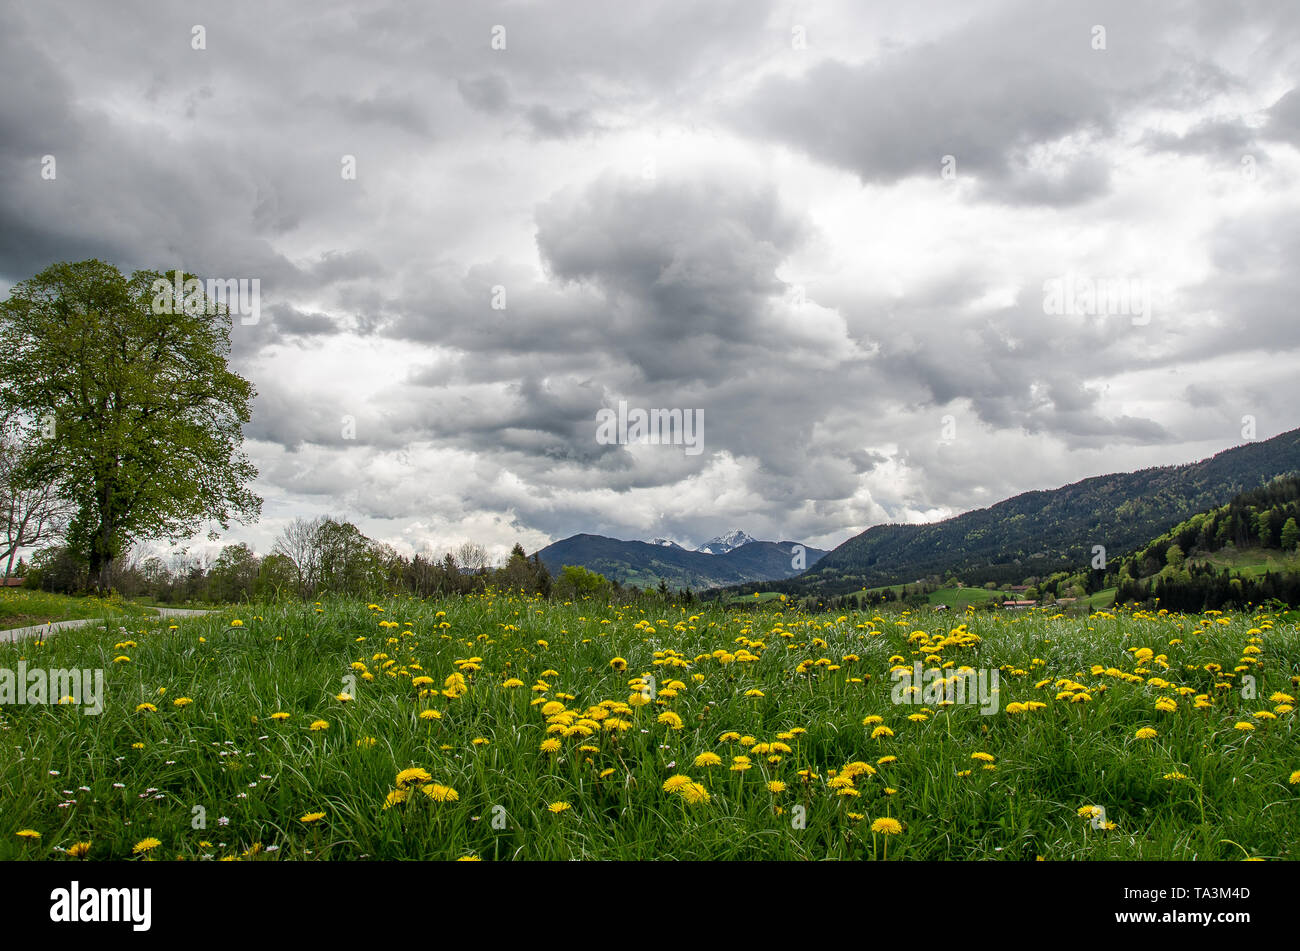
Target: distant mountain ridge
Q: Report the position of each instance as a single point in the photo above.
(1040, 532)
(724, 543)
(644, 564)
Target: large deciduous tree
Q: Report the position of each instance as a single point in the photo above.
(129, 408)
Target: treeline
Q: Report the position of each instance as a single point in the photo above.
(318, 557)
(1206, 588)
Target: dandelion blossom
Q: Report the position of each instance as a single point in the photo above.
(412, 776)
(674, 784)
(694, 793)
(440, 793)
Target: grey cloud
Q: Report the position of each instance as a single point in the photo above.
(490, 93)
(480, 169)
(548, 123)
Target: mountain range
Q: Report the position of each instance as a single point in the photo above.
(733, 558)
(1040, 532)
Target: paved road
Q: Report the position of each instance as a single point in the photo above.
(36, 630)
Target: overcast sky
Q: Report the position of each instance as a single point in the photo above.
(829, 226)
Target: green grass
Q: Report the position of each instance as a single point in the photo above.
(961, 596)
(172, 774)
(1251, 562)
(762, 598)
(20, 607)
(1104, 598)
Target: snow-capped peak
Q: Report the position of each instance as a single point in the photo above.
(726, 542)
(664, 543)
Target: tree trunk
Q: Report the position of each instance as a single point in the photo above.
(101, 558)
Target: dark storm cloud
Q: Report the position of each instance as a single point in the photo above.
(985, 95)
(686, 267)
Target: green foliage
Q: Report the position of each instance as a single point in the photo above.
(1220, 557)
(577, 582)
(1290, 535)
(132, 414)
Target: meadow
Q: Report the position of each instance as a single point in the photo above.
(501, 727)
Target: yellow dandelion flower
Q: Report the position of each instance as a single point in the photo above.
(670, 719)
(412, 776)
(674, 783)
(694, 793)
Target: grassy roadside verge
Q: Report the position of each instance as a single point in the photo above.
(20, 607)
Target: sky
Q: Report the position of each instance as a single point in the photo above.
(897, 261)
